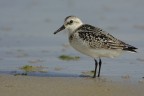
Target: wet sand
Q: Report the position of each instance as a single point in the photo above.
(67, 86)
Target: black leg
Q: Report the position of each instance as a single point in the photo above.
(95, 68)
(100, 62)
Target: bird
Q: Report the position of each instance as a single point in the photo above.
(93, 41)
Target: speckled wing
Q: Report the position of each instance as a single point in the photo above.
(97, 38)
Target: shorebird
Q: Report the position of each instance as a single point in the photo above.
(93, 41)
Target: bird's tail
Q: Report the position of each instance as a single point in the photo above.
(130, 48)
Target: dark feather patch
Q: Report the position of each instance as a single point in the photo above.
(97, 38)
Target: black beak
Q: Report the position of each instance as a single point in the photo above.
(60, 29)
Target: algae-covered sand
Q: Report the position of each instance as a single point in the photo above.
(68, 57)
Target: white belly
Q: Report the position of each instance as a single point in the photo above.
(94, 53)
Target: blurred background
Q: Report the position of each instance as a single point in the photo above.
(26, 35)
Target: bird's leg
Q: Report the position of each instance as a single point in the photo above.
(95, 68)
(100, 62)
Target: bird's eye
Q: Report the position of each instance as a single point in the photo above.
(71, 21)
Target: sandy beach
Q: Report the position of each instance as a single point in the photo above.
(67, 86)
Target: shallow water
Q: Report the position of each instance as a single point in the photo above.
(26, 35)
